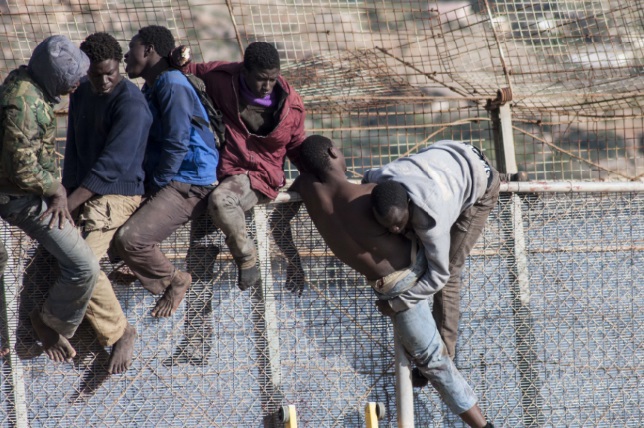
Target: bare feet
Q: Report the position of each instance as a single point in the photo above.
(56, 347)
(122, 350)
(167, 305)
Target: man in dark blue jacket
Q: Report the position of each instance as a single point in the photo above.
(180, 167)
(109, 120)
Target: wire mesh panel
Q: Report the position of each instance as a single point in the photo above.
(389, 73)
(565, 351)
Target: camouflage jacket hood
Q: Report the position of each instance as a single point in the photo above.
(57, 65)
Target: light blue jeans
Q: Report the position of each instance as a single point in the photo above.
(419, 336)
(68, 297)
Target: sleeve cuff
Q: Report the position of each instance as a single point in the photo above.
(51, 190)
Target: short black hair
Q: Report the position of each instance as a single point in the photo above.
(261, 56)
(159, 37)
(387, 195)
(314, 154)
(101, 47)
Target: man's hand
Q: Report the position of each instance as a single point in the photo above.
(179, 57)
(384, 308)
(295, 278)
(58, 210)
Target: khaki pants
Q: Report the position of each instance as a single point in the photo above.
(99, 220)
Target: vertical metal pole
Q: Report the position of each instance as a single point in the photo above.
(502, 131)
(11, 286)
(513, 231)
(266, 324)
(404, 388)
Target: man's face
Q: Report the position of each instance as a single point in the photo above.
(104, 76)
(395, 221)
(261, 82)
(136, 58)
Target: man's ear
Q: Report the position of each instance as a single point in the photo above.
(333, 152)
(149, 49)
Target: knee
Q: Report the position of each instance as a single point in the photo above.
(221, 201)
(426, 354)
(89, 270)
(434, 359)
(424, 346)
(124, 241)
(221, 206)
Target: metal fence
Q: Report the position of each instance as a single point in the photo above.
(551, 328)
(551, 331)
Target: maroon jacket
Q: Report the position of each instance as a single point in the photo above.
(261, 158)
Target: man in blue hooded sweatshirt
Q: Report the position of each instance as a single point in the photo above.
(180, 168)
(31, 196)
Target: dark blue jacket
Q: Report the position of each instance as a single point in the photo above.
(179, 148)
(106, 139)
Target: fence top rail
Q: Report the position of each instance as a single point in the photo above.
(531, 187)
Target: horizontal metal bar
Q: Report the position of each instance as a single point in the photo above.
(531, 187)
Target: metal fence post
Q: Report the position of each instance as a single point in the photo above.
(11, 286)
(404, 388)
(266, 324)
(513, 230)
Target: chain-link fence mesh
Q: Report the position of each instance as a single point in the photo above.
(551, 328)
(559, 344)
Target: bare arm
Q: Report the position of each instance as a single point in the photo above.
(78, 197)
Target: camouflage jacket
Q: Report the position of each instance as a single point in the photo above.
(27, 138)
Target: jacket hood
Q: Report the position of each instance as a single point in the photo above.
(57, 65)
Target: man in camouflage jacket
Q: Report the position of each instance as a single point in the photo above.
(31, 195)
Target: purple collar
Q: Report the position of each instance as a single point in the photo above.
(248, 95)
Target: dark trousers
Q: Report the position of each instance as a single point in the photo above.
(465, 232)
(137, 241)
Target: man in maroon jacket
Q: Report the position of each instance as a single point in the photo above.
(264, 119)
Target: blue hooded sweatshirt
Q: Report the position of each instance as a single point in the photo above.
(179, 147)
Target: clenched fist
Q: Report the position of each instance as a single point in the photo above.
(180, 56)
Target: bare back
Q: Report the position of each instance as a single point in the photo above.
(342, 213)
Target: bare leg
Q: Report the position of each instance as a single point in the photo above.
(167, 305)
(122, 350)
(56, 347)
(474, 417)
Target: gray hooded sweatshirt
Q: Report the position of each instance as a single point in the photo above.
(442, 181)
(57, 65)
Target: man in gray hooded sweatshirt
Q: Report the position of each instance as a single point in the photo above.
(31, 195)
(443, 195)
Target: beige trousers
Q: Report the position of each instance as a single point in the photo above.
(100, 218)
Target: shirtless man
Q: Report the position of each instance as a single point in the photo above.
(342, 213)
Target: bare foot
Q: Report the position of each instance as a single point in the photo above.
(4, 352)
(122, 350)
(167, 305)
(56, 347)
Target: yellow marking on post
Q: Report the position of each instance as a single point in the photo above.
(290, 419)
(371, 415)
